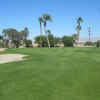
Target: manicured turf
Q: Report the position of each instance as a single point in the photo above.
(52, 74)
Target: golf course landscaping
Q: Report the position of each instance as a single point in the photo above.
(51, 74)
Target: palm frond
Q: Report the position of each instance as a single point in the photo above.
(79, 20)
(47, 17)
(80, 28)
(40, 19)
(48, 31)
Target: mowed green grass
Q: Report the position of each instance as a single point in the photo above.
(52, 74)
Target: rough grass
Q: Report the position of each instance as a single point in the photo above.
(52, 74)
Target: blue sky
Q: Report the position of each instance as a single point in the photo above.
(24, 13)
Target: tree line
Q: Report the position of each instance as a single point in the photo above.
(53, 41)
(47, 40)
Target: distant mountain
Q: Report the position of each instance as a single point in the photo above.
(93, 39)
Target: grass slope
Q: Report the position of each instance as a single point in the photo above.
(52, 74)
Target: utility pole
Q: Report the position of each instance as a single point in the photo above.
(89, 34)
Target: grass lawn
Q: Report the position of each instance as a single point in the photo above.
(52, 74)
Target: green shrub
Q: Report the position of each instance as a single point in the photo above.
(88, 43)
(28, 43)
(98, 43)
(68, 41)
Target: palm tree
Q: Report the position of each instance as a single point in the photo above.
(41, 21)
(75, 38)
(26, 32)
(24, 35)
(48, 31)
(47, 17)
(79, 20)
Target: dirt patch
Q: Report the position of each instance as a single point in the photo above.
(2, 49)
(4, 58)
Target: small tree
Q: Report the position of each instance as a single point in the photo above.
(68, 41)
(28, 43)
(44, 40)
(98, 43)
(57, 40)
(88, 43)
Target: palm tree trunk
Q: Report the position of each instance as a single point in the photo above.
(74, 42)
(41, 34)
(78, 33)
(47, 36)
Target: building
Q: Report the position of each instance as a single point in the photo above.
(35, 44)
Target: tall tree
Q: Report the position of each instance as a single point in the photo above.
(79, 20)
(23, 35)
(41, 21)
(26, 32)
(47, 17)
(1, 37)
(5, 34)
(13, 35)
